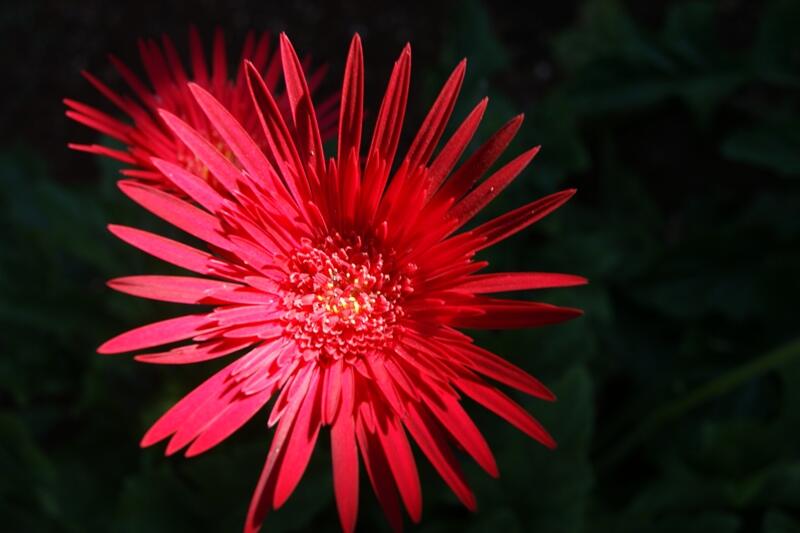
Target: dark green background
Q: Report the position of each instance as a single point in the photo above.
(678, 391)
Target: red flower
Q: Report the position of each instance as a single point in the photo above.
(342, 291)
(149, 137)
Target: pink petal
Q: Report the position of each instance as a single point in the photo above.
(263, 495)
(344, 456)
(181, 214)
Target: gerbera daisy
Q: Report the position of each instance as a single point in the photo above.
(146, 136)
(342, 285)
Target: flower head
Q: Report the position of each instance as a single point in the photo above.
(146, 136)
(342, 285)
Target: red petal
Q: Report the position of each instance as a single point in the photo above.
(487, 191)
(479, 162)
(247, 152)
(156, 334)
(220, 166)
(199, 68)
(452, 416)
(352, 107)
(392, 111)
(265, 489)
(401, 463)
(177, 289)
(305, 119)
(344, 456)
(97, 149)
(513, 314)
(281, 142)
(507, 225)
(181, 214)
(299, 446)
(197, 189)
(501, 370)
(435, 122)
(504, 407)
(518, 281)
(165, 249)
(194, 353)
(432, 442)
(379, 475)
(172, 419)
(448, 157)
(228, 421)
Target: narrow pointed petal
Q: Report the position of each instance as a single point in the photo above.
(177, 289)
(519, 281)
(228, 421)
(513, 314)
(512, 222)
(344, 455)
(402, 464)
(448, 157)
(170, 421)
(305, 118)
(194, 353)
(352, 107)
(479, 162)
(487, 191)
(379, 475)
(504, 407)
(263, 495)
(219, 165)
(180, 214)
(434, 124)
(165, 249)
(435, 447)
(247, 152)
(155, 334)
(452, 416)
(298, 447)
(392, 111)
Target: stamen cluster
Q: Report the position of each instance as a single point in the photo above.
(344, 298)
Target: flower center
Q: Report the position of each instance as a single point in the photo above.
(344, 298)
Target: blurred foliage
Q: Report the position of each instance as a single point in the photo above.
(678, 391)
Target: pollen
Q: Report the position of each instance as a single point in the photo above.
(344, 298)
